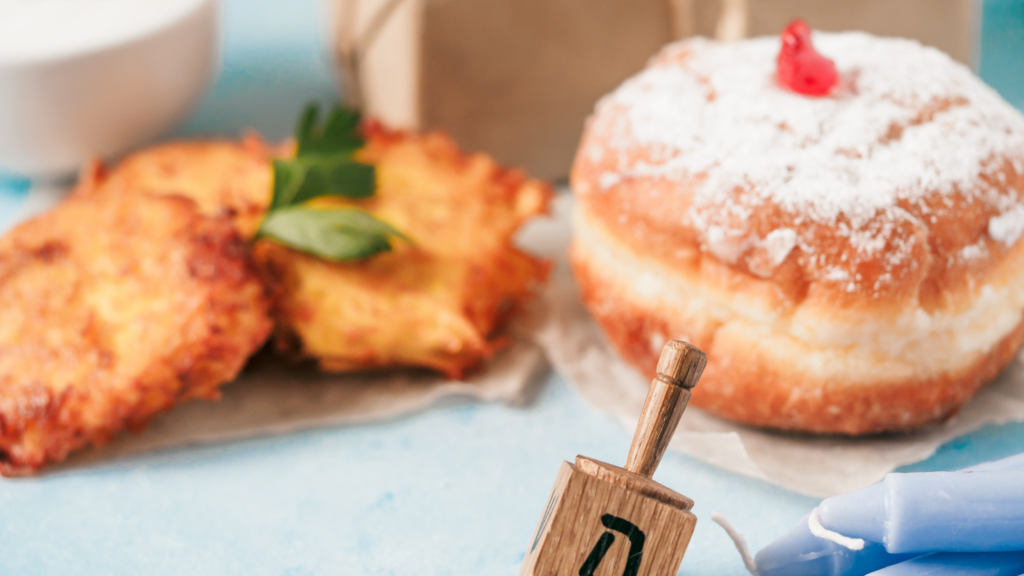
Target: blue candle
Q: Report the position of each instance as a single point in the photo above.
(959, 564)
(966, 511)
(801, 553)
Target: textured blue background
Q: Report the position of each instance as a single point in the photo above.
(456, 490)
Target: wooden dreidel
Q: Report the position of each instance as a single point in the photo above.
(602, 520)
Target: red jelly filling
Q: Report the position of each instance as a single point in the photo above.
(799, 66)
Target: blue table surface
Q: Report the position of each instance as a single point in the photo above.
(454, 490)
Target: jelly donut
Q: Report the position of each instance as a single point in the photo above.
(851, 261)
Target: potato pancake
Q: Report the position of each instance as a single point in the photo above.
(112, 309)
(225, 178)
(435, 301)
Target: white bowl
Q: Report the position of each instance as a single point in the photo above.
(85, 78)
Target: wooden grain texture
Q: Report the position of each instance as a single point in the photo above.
(632, 481)
(679, 369)
(681, 363)
(592, 527)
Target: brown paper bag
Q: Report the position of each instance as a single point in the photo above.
(517, 78)
(949, 25)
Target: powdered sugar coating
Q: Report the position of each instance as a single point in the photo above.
(906, 122)
(1008, 226)
(807, 242)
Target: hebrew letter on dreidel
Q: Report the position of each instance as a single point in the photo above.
(636, 546)
(602, 520)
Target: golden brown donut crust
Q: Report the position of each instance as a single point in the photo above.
(745, 384)
(908, 269)
(919, 259)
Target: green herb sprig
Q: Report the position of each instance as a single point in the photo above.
(332, 233)
(325, 165)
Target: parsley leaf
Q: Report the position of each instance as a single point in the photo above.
(337, 234)
(324, 164)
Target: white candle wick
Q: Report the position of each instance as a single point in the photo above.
(738, 540)
(814, 523)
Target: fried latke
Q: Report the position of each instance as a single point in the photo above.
(432, 302)
(225, 178)
(112, 309)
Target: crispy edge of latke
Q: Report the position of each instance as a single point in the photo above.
(196, 369)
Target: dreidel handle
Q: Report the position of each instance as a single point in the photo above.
(679, 368)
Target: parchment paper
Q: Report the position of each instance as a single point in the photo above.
(812, 465)
(274, 397)
(271, 397)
